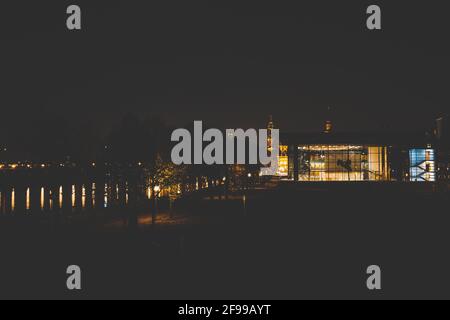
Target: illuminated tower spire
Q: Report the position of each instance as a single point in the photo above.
(270, 127)
(328, 124)
(270, 124)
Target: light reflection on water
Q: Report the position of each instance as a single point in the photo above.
(83, 197)
(93, 195)
(51, 200)
(13, 200)
(105, 196)
(60, 197)
(73, 196)
(64, 197)
(42, 198)
(28, 199)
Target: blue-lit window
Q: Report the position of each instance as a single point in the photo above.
(422, 165)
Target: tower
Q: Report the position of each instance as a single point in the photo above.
(328, 126)
(270, 127)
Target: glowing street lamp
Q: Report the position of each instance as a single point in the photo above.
(156, 189)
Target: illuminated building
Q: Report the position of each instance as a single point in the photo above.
(342, 163)
(350, 157)
(283, 162)
(270, 127)
(334, 162)
(422, 165)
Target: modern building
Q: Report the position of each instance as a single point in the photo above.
(330, 156)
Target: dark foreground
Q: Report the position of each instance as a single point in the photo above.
(292, 242)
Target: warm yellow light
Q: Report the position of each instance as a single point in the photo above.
(331, 147)
(156, 188)
(283, 163)
(83, 196)
(73, 196)
(14, 166)
(42, 198)
(94, 187)
(317, 165)
(28, 199)
(13, 199)
(60, 197)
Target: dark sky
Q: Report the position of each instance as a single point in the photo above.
(227, 63)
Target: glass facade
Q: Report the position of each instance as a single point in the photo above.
(342, 163)
(334, 163)
(422, 165)
(355, 163)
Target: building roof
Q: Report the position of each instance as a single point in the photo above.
(367, 138)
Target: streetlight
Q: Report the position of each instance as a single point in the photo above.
(156, 190)
(249, 176)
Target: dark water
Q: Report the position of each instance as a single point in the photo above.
(70, 196)
(77, 190)
(34, 192)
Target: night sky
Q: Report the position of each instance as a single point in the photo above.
(228, 63)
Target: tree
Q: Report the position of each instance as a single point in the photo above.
(165, 174)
